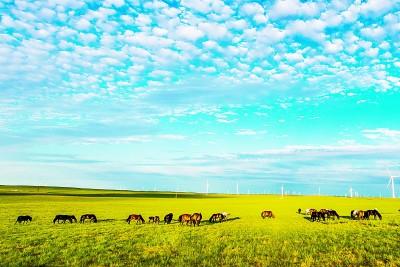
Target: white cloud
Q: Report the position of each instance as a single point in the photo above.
(252, 9)
(116, 3)
(83, 24)
(313, 29)
(213, 30)
(189, 33)
(376, 33)
(249, 132)
(334, 47)
(381, 133)
(376, 7)
(288, 8)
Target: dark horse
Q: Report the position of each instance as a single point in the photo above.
(90, 217)
(216, 217)
(64, 218)
(333, 214)
(23, 219)
(154, 219)
(267, 214)
(195, 219)
(184, 218)
(134, 217)
(317, 216)
(168, 218)
(374, 213)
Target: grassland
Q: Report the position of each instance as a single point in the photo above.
(289, 239)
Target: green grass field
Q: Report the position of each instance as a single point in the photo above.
(289, 239)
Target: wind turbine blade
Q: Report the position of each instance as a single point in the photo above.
(390, 181)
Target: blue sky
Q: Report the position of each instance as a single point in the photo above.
(166, 95)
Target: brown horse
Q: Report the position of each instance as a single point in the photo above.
(184, 218)
(168, 218)
(195, 219)
(64, 218)
(309, 211)
(24, 219)
(90, 217)
(154, 219)
(216, 217)
(267, 214)
(134, 217)
(358, 214)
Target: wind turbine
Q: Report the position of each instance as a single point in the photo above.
(391, 183)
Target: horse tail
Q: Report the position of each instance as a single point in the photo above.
(272, 215)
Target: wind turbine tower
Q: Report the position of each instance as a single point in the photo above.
(391, 183)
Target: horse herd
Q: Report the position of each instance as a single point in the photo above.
(323, 214)
(188, 219)
(195, 218)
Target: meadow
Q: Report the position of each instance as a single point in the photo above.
(245, 240)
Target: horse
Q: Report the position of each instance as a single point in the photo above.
(64, 218)
(184, 218)
(195, 219)
(154, 219)
(216, 217)
(299, 211)
(90, 217)
(135, 217)
(358, 214)
(24, 219)
(309, 211)
(168, 218)
(225, 215)
(317, 216)
(333, 214)
(267, 214)
(373, 212)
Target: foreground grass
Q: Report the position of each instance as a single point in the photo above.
(290, 239)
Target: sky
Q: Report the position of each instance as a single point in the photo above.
(167, 95)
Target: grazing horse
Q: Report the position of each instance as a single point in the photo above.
(23, 219)
(267, 214)
(134, 217)
(358, 214)
(154, 219)
(216, 217)
(64, 218)
(195, 219)
(184, 218)
(317, 216)
(90, 217)
(225, 215)
(299, 211)
(333, 214)
(168, 218)
(373, 212)
(309, 211)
